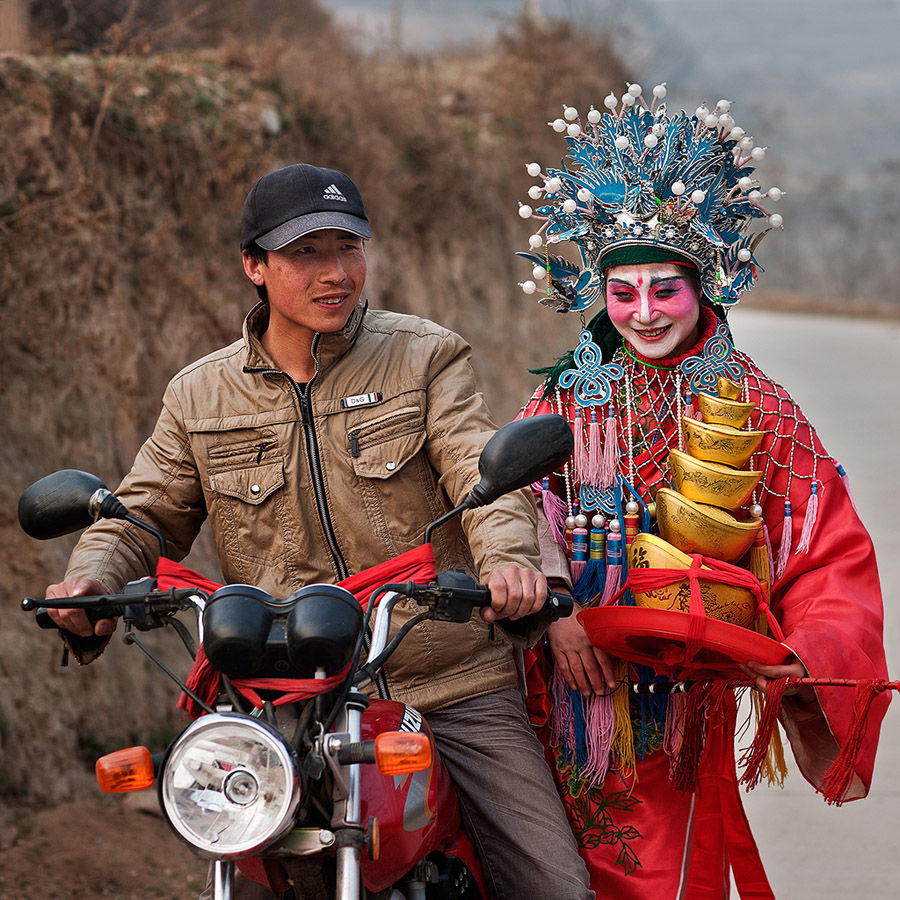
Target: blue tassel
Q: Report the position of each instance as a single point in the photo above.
(591, 582)
(627, 599)
(580, 728)
(646, 521)
(654, 704)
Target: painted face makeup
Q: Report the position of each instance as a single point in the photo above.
(654, 306)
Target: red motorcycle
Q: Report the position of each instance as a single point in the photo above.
(288, 771)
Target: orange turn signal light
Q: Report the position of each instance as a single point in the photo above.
(125, 770)
(399, 752)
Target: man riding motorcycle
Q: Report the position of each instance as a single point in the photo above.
(322, 443)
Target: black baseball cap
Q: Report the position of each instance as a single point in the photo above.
(291, 202)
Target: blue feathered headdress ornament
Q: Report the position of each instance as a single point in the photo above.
(634, 177)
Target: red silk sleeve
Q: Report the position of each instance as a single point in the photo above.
(830, 607)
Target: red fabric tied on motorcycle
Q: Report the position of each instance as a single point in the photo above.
(416, 565)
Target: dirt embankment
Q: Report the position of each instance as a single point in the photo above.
(121, 181)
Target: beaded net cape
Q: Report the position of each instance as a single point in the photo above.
(648, 404)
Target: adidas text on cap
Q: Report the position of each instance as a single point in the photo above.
(291, 202)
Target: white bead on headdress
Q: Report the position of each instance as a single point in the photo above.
(635, 176)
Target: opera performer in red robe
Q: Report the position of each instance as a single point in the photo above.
(688, 460)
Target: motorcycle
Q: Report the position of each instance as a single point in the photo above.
(310, 775)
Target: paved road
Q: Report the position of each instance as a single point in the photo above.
(845, 374)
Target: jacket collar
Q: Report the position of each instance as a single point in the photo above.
(327, 348)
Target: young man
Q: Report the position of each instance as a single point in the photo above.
(322, 443)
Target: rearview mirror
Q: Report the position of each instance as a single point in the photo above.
(66, 501)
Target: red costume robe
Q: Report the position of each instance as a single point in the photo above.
(636, 835)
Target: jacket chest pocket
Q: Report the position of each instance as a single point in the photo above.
(245, 473)
(395, 482)
(382, 445)
(251, 484)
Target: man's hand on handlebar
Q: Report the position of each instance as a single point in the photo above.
(515, 592)
(76, 620)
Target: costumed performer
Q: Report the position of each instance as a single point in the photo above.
(660, 210)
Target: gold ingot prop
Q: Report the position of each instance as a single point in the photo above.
(721, 601)
(709, 482)
(720, 411)
(699, 528)
(730, 390)
(719, 443)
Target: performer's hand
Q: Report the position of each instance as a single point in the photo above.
(515, 592)
(763, 674)
(584, 667)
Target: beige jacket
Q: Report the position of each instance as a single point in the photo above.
(309, 484)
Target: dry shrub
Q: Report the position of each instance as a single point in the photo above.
(144, 26)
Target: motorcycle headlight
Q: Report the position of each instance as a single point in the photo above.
(229, 787)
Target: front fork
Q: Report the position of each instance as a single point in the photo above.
(347, 803)
(223, 879)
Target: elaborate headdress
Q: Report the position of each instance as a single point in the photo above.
(635, 177)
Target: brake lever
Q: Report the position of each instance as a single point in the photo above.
(451, 604)
(453, 596)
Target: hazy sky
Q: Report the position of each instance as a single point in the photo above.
(821, 76)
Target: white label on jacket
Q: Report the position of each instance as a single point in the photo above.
(361, 400)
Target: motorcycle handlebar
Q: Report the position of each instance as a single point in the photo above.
(154, 603)
(454, 594)
(451, 598)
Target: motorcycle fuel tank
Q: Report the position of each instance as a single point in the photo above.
(416, 813)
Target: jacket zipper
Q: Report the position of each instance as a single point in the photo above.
(315, 466)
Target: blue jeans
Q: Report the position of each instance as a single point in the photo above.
(510, 807)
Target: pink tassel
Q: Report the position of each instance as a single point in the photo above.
(784, 551)
(555, 512)
(768, 541)
(610, 454)
(581, 461)
(613, 567)
(672, 734)
(595, 467)
(809, 520)
(562, 722)
(846, 479)
(599, 722)
(690, 411)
